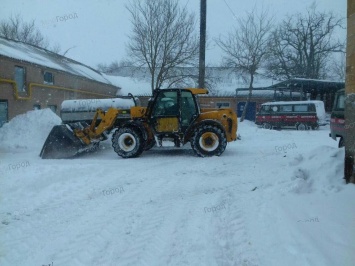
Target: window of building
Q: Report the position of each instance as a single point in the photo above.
(223, 105)
(36, 107)
(3, 112)
(53, 108)
(20, 78)
(48, 78)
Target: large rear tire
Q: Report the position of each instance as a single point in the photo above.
(208, 141)
(127, 142)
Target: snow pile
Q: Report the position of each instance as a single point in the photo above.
(29, 130)
(314, 172)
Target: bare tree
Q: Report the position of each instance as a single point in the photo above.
(123, 68)
(162, 39)
(17, 29)
(301, 45)
(338, 68)
(245, 48)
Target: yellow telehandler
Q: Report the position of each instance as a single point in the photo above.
(171, 114)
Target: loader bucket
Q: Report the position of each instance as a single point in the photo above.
(61, 143)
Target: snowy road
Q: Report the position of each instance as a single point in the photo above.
(273, 198)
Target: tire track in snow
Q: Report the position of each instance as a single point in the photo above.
(37, 232)
(106, 235)
(219, 238)
(110, 240)
(152, 237)
(231, 240)
(172, 198)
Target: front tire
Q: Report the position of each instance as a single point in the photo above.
(208, 141)
(267, 126)
(301, 126)
(127, 142)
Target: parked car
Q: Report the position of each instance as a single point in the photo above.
(302, 115)
(337, 121)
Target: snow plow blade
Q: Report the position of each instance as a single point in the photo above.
(61, 143)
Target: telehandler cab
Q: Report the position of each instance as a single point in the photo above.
(172, 114)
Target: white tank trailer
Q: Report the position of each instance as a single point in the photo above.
(83, 110)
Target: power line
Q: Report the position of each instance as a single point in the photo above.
(186, 4)
(230, 9)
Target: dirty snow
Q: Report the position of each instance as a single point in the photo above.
(273, 198)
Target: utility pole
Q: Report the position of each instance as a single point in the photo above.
(349, 166)
(201, 69)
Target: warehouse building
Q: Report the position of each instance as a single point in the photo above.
(34, 78)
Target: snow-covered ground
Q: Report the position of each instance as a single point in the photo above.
(272, 198)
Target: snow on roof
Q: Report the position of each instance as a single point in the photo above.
(316, 80)
(292, 102)
(130, 85)
(255, 92)
(43, 57)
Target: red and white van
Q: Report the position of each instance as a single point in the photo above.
(337, 121)
(302, 115)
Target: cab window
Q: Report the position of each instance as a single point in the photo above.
(166, 104)
(188, 108)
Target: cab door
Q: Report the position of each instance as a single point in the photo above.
(189, 110)
(166, 114)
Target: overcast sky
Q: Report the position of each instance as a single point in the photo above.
(98, 29)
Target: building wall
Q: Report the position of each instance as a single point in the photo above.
(216, 102)
(66, 86)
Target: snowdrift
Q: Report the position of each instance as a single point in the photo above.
(314, 172)
(29, 130)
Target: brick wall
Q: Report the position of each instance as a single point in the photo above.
(71, 87)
